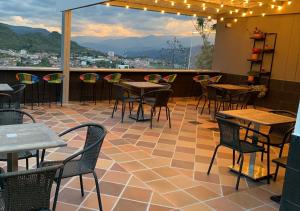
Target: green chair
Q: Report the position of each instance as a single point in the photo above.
(153, 78)
(112, 79)
(29, 80)
(88, 79)
(53, 80)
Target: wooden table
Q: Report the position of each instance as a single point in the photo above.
(5, 88)
(23, 137)
(230, 87)
(142, 86)
(258, 118)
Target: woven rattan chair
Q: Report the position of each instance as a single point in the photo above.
(230, 138)
(5, 101)
(12, 117)
(158, 99)
(278, 136)
(122, 94)
(82, 162)
(27, 190)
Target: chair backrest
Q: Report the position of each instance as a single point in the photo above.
(120, 91)
(170, 78)
(5, 101)
(17, 95)
(200, 77)
(212, 93)
(282, 131)
(153, 78)
(89, 77)
(27, 78)
(166, 85)
(113, 78)
(12, 117)
(161, 96)
(56, 78)
(229, 133)
(94, 138)
(28, 190)
(251, 97)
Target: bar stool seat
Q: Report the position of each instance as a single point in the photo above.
(88, 78)
(153, 78)
(54, 79)
(29, 80)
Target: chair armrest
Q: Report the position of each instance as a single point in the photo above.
(255, 131)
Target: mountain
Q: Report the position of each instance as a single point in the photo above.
(133, 46)
(36, 40)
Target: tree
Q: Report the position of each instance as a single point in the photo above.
(175, 53)
(205, 28)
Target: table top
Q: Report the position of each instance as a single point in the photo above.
(143, 85)
(259, 116)
(230, 87)
(5, 88)
(20, 137)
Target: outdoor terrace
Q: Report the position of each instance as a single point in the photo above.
(154, 169)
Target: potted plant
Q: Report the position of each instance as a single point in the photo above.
(251, 75)
(255, 53)
(258, 34)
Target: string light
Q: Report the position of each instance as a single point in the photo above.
(185, 1)
(107, 4)
(188, 6)
(263, 14)
(289, 2)
(218, 10)
(235, 20)
(230, 12)
(209, 17)
(172, 3)
(145, 8)
(127, 7)
(203, 5)
(156, 1)
(203, 8)
(279, 8)
(244, 14)
(221, 19)
(260, 4)
(222, 5)
(272, 6)
(251, 12)
(236, 10)
(194, 15)
(162, 12)
(178, 13)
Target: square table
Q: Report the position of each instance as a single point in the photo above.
(258, 118)
(142, 86)
(5, 88)
(22, 137)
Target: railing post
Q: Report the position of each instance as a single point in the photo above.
(65, 51)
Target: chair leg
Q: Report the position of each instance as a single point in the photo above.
(27, 164)
(169, 116)
(268, 163)
(158, 114)
(151, 117)
(240, 172)
(277, 166)
(114, 109)
(57, 190)
(81, 185)
(49, 95)
(200, 98)
(94, 93)
(81, 87)
(233, 157)
(32, 96)
(43, 155)
(98, 191)
(123, 110)
(44, 90)
(212, 159)
(38, 93)
(203, 106)
(262, 154)
(37, 158)
(24, 96)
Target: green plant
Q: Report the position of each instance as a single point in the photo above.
(252, 73)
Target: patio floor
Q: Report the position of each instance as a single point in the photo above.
(154, 169)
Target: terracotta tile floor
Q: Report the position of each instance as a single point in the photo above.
(154, 169)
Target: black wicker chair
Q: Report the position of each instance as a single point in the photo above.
(27, 190)
(17, 95)
(86, 159)
(5, 101)
(243, 99)
(122, 94)
(278, 136)
(12, 117)
(230, 138)
(158, 99)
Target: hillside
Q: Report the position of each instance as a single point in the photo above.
(36, 40)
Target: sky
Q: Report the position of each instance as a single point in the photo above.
(98, 21)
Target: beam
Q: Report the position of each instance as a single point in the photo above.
(65, 52)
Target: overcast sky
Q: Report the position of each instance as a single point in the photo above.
(99, 21)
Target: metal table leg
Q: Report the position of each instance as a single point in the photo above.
(12, 162)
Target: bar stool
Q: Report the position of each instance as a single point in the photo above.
(153, 78)
(88, 78)
(29, 80)
(111, 80)
(53, 80)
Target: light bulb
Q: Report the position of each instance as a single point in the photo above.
(107, 4)
(145, 8)
(264, 14)
(279, 8)
(162, 12)
(289, 2)
(178, 13)
(218, 10)
(235, 20)
(221, 19)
